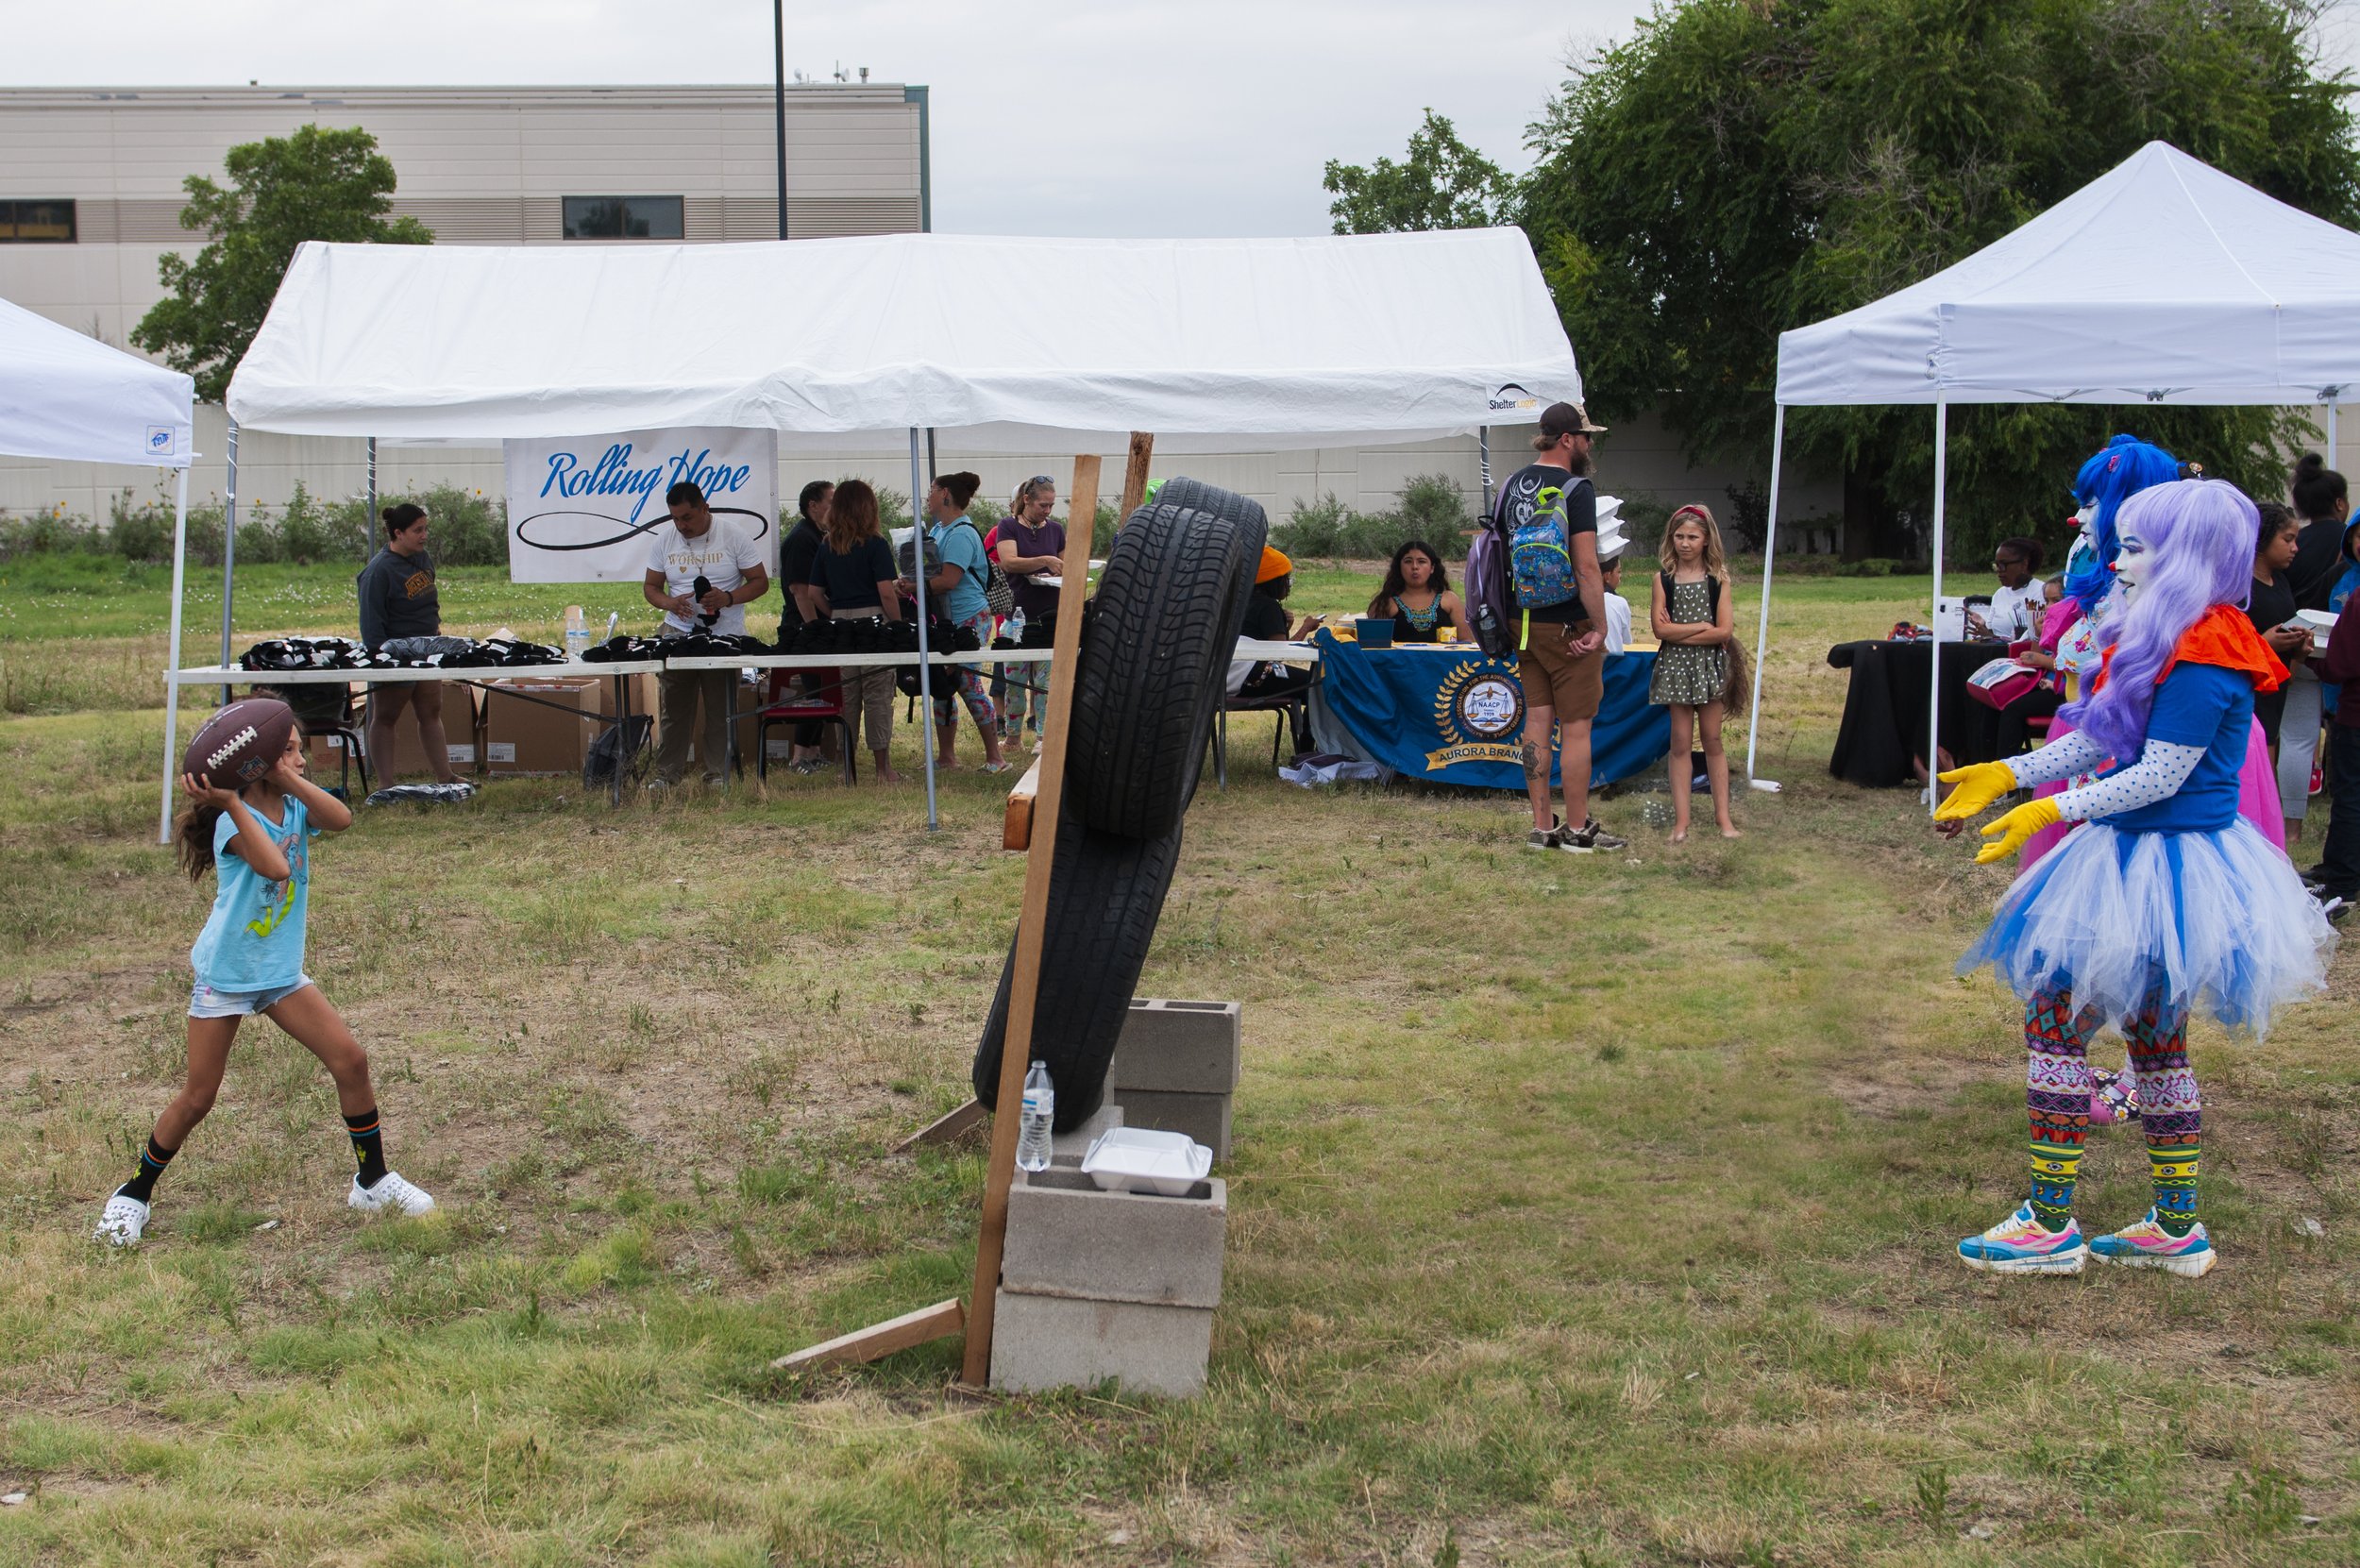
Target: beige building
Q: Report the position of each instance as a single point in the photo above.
(91, 180)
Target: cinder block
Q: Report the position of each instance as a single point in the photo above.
(1203, 1117)
(1040, 1342)
(1177, 1047)
(1066, 1149)
(1066, 1238)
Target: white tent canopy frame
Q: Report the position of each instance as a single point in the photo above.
(1000, 345)
(2161, 281)
(71, 398)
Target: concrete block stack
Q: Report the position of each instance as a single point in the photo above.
(1176, 1069)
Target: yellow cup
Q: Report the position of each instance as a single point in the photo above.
(1446, 634)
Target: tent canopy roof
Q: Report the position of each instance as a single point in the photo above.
(71, 398)
(2164, 280)
(1004, 344)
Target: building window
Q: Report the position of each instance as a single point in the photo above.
(622, 217)
(42, 222)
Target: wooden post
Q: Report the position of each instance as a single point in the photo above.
(939, 1322)
(1135, 473)
(1015, 1053)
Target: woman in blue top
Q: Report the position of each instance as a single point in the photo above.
(249, 959)
(2164, 899)
(957, 586)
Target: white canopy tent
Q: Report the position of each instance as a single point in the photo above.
(998, 345)
(71, 398)
(2161, 281)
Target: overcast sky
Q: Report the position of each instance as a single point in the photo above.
(1181, 117)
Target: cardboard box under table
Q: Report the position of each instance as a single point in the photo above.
(542, 724)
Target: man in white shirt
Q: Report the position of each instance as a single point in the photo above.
(701, 573)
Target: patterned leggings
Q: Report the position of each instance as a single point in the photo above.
(2057, 1095)
(970, 688)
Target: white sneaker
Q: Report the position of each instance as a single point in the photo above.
(391, 1195)
(122, 1221)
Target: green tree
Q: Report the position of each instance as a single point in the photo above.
(317, 184)
(1441, 183)
(1741, 167)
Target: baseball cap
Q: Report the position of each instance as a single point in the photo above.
(1559, 419)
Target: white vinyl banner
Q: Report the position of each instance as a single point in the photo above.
(583, 510)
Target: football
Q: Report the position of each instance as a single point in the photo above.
(238, 743)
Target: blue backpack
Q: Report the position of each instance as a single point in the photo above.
(1539, 554)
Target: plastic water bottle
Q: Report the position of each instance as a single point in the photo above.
(577, 635)
(1040, 1109)
(1016, 627)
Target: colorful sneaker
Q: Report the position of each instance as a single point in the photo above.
(1550, 837)
(2149, 1245)
(121, 1222)
(2020, 1244)
(391, 1195)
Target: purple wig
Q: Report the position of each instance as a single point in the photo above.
(2197, 535)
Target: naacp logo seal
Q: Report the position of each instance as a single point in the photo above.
(1480, 711)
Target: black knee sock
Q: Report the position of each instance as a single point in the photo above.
(152, 1162)
(368, 1147)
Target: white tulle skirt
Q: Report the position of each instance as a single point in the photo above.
(2211, 922)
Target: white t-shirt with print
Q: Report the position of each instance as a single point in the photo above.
(722, 555)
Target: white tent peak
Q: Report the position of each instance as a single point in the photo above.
(1000, 343)
(2164, 280)
(71, 398)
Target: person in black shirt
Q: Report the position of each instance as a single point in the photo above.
(856, 579)
(2271, 607)
(398, 600)
(2324, 503)
(796, 552)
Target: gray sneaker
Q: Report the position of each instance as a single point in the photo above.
(1551, 837)
(1591, 837)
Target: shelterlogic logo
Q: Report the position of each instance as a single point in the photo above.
(162, 441)
(1512, 399)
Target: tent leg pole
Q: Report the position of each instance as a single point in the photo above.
(2331, 433)
(925, 667)
(1761, 633)
(1934, 695)
(228, 550)
(171, 650)
(369, 523)
(1483, 462)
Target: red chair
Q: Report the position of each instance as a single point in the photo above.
(790, 705)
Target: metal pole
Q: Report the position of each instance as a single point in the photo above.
(1483, 453)
(228, 549)
(925, 670)
(368, 526)
(1761, 633)
(172, 651)
(2331, 433)
(934, 470)
(1934, 695)
(778, 47)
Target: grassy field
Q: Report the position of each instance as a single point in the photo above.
(1591, 1211)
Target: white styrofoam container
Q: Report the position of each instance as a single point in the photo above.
(1140, 1159)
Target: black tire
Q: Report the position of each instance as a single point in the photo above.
(1247, 512)
(1152, 668)
(1105, 897)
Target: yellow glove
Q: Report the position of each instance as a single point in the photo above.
(1979, 784)
(2013, 830)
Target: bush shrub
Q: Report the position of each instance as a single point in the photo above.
(55, 530)
(1433, 510)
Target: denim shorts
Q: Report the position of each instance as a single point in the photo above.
(204, 1002)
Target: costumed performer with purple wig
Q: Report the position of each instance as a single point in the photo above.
(2164, 901)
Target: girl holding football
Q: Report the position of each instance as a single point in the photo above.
(251, 816)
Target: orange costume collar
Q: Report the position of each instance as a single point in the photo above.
(2224, 638)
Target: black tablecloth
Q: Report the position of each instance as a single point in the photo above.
(1885, 712)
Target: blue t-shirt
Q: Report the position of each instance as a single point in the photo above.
(253, 940)
(2196, 705)
(962, 546)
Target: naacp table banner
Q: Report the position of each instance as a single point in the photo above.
(581, 510)
(1445, 711)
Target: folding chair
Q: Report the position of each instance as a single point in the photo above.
(327, 710)
(790, 705)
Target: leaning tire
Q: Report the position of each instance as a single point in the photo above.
(1105, 897)
(1154, 667)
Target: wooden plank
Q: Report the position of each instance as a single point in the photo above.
(939, 1322)
(1015, 824)
(1024, 982)
(1135, 473)
(944, 1129)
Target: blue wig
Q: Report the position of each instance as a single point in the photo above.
(2120, 470)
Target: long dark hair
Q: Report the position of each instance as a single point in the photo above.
(1383, 603)
(852, 517)
(2315, 487)
(193, 839)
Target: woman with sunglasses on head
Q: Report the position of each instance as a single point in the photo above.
(1031, 544)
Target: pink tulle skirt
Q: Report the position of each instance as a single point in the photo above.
(2257, 797)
